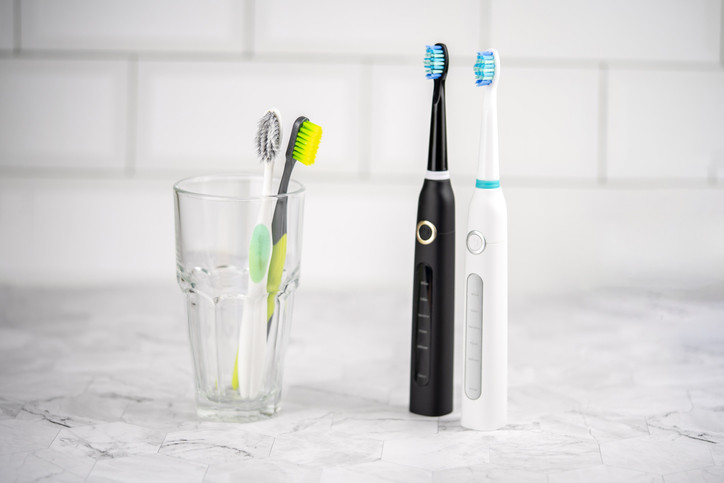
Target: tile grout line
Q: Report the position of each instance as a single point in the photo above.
(356, 59)
(484, 36)
(17, 26)
(364, 166)
(711, 177)
(250, 28)
(721, 36)
(602, 154)
(406, 179)
(131, 116)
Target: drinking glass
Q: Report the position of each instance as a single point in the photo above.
(238, 358)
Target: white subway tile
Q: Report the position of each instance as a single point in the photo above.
(376, 27)
(548, 124)
(62, 113)
(134, 25)
(716, 173)
(71, 231)
(573, 239)
(7, 24)
(665, 124)
(203, 116)
(669, 30)
(400, 119)
(359, 236)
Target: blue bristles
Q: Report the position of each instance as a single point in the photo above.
(434, 61)
(484, 68)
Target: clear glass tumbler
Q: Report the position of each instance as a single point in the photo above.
(238, 324)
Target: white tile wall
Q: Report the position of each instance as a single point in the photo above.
(203, 115)
(357, 236)
(368, 28)
(62, 114)
(401, 106)
(104, 104)
(665, 124)
(576, 238)
(134, 25)
(75, 232)
(7, 28)
(398, 142)
(648, 30)
(548, 122)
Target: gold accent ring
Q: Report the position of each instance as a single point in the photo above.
(433, 232)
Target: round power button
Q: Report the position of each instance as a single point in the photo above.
(426, 232)
(475, 242)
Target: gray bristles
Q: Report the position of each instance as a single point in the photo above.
(268, 137)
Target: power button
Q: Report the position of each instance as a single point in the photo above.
(475, 242)
(426, 232)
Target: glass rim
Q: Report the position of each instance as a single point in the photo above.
(296, 188)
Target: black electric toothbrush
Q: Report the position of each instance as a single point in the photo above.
(433, 328)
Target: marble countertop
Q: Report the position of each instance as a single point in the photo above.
(610, 385)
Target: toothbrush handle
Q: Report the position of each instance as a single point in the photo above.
(485, 328)
(431, 367)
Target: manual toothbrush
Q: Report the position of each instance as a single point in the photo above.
(303, 144)
(249, 365)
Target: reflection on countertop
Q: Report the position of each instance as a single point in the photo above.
(613, 384)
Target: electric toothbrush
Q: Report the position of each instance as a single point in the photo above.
(431, 366)
(485, 380)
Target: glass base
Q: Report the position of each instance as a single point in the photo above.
(236, 413)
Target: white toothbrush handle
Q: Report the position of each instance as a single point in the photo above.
(485, 334)
(489, 169)
(258, 359)
(252, 333)
(252, 343)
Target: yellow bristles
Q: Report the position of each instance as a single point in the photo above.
(307, 143)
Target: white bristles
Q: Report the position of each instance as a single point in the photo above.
(268, 137)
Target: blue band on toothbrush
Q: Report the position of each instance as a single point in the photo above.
(487, 185)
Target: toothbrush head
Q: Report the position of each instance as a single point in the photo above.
(487, 68)
(304, 141)
(436, 61)
(268, 138)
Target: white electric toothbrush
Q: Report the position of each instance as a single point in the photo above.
(485, 383)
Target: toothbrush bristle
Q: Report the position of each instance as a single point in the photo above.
(268, 137)
(307, 143)
(484, 68)
(434, 61)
